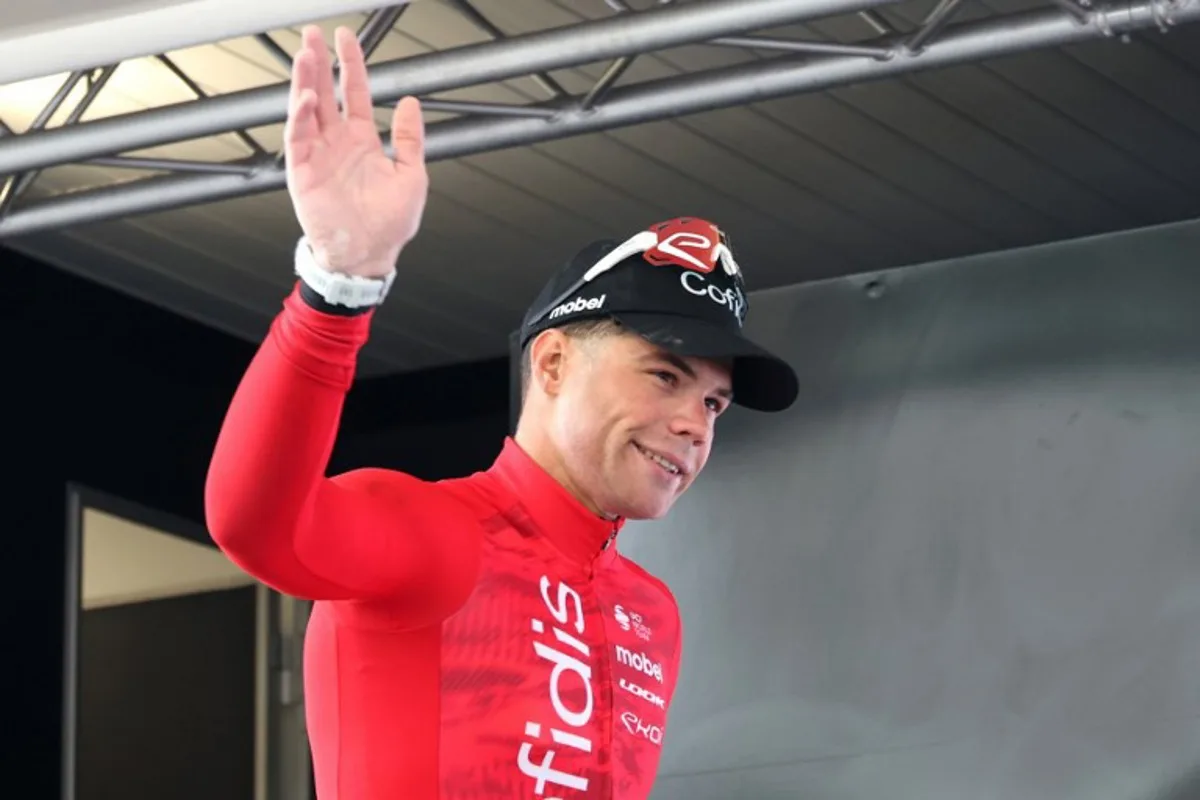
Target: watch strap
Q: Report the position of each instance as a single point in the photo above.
(315, 301)
(336, 292)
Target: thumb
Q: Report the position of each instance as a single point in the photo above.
(408, 132)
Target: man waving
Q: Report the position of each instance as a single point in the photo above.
(481, 637)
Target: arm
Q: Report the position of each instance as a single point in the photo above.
(367, 534)
(370, 534)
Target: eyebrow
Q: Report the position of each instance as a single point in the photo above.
(686, 368)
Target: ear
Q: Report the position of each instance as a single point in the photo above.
(548, 360)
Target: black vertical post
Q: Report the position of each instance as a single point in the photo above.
(514, 381)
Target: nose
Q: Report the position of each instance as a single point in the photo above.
(693, 420)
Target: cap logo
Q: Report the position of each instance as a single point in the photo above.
(731, 299)
(687, 242)
(577, 305)
(693, 244)
(696, 245)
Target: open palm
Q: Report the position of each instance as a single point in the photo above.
(357, 206)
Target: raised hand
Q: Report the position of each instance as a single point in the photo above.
(357, 206)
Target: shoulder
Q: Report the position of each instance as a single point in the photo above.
(649, 579)
(391, 485)
(381, 481)
(656, 619)
(655, 588)
(468, 494)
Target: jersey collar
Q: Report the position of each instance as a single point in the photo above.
(557, 514)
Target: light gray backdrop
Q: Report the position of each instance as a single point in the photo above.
(967, 564)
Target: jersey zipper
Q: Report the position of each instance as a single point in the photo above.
(591, 568)
(613, 535)
(609, 735)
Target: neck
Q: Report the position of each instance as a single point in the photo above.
(535, 440)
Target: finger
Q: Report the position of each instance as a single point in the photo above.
(356, 92)
(302, 74)
(302, 131)
(304, 78)
(408, 132)
(327, 109)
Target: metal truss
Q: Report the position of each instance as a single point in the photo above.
(800, 66)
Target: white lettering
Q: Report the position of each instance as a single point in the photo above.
(564, 664)
(641, 662)
(621, 617)
(692, 240)
(698, 285)
(645, 694)
(635, 726)
(579, 304)
(544, 773)
(560, 612)
(571, 740)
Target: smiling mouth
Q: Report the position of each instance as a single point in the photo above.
(661, 461)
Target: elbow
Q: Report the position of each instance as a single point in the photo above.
(253, 529)
(235, 527)
(233, 519)
(227, 507)
(226, 526)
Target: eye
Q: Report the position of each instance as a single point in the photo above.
(666, 376)
(716, 404)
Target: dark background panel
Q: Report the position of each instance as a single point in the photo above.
(166, 699)
(114, 394)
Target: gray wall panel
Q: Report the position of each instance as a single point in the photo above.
(966, 563)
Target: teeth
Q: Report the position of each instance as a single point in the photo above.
(662, 462)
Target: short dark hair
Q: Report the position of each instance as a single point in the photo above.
(584, 329)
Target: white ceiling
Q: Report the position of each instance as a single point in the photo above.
(126, 562)
(1037, 147)
(43, 38)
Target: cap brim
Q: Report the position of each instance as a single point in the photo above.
(761, 380)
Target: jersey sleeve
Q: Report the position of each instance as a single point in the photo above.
(369, 534)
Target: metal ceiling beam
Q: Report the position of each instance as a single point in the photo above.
(747, 83)
(791, 46)
(81, 41)
(377, 27)
(469, 11)
(568, 46)
(95, 84)
(933, 23)
(487, 109)
(195, 89)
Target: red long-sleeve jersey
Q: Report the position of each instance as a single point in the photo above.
(480, 637)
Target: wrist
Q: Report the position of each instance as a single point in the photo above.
(342, 262)
(315, 301)
(336, 291)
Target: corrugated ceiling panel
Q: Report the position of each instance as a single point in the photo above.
(1059, 203)
(1026, 149)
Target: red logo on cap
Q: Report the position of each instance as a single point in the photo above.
(687, 242)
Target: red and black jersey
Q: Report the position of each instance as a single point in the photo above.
(480, 637)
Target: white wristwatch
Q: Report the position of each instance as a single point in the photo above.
(336, 288)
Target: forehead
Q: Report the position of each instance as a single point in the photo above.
(635, 351)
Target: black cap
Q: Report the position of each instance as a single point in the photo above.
(677, 285)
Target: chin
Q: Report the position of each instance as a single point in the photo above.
(647, 509)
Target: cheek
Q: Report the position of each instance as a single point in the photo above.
(582, 420)
(595, 399)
